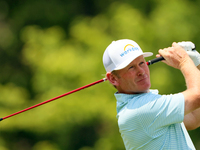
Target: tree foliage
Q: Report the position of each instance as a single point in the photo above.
(48, 48)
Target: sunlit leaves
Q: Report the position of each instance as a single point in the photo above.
(60, 62)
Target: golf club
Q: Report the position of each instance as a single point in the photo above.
(73, 91)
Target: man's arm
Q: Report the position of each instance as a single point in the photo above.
(176, 57)
(192, 120)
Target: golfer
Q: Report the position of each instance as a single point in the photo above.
(146, 119)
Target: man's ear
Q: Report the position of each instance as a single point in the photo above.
(113, 79)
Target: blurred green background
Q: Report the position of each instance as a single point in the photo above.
(50, 47)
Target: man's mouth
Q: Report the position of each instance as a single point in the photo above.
(144, 77)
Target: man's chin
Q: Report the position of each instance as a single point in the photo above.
(145, 89)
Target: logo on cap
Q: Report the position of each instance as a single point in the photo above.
(128, 48)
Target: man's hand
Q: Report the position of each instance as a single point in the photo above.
(188, 46)
(190, 49)
(195, 56)
(175, 56)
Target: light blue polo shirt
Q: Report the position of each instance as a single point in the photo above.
(150, 121)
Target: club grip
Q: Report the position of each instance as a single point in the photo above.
(150, 62)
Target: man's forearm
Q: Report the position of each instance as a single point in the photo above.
(192, 120)
(191, 75)
(192, 94)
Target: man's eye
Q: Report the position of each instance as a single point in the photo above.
(130, 67)
(141, 63)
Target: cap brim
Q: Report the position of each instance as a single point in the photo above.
(147, 54)
(128, 61)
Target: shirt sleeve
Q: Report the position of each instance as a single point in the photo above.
(160, 112)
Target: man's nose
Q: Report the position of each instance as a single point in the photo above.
(141, 71)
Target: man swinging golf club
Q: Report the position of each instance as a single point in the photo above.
(146, 119)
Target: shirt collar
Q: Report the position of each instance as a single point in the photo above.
(121, 97)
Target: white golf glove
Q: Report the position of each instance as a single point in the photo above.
(190, 49)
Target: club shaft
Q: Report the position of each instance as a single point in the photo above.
(73, 91)
(150, 62)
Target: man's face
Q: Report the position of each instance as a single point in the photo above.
(134, 78)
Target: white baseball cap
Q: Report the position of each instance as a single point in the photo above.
(120, 53)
